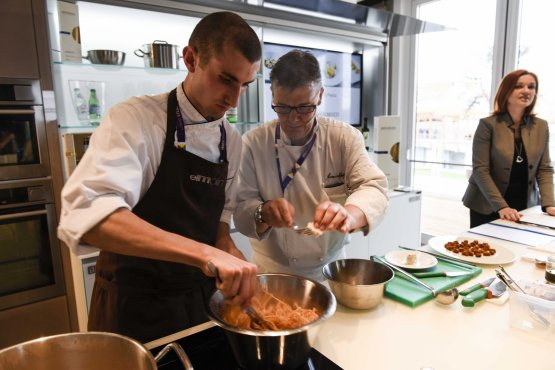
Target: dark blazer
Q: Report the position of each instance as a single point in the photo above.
(492, 159)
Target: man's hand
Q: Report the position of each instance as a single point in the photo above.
(278, 213)
(333, 216)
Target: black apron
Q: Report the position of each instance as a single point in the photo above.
(147, 299)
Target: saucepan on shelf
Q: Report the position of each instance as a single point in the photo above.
(102, 56)
(159, 54)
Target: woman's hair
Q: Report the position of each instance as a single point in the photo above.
(296, 68)
(507, 86)
(218, 30)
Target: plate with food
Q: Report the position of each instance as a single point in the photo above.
(411, 260)
(355, 72)
(472, 250)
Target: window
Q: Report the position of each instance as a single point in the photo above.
(453, 87)
(535, 52)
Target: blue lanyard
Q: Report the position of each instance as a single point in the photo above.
(297, 166)
(181, 136)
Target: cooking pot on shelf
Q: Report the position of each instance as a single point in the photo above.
(101, 56)
(276, 349)
(159, 54)
(85, 351)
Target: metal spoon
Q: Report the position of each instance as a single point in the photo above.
(446, 297)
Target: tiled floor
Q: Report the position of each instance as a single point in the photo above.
(443, 216)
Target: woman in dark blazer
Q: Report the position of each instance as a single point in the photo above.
(511, 167)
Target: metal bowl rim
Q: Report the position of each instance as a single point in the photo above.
(130, 340)
(329, 278)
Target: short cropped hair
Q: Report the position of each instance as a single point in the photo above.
(294, 69)
(222, 29)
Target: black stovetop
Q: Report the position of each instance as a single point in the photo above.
(209, 350)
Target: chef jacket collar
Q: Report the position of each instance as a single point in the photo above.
(187, 108)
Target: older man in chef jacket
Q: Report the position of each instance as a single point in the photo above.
(303, 168)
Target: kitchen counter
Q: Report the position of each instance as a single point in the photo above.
(393, 336)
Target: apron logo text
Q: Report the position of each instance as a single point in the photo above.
(207, 180)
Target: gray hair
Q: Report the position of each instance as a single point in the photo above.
(296, 68)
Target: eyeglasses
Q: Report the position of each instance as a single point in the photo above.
(301, 109)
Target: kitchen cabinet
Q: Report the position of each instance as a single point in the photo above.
(18, 44)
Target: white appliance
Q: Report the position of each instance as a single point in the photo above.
(387, 135)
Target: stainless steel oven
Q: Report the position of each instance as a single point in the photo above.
(23, 144)
(30, 259)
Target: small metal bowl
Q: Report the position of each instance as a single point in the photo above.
(100, 56)
(357, 283)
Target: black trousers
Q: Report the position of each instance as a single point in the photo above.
(477, 219)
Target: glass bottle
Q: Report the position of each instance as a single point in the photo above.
(232, 114)
(366, 134)
(80, 105)
(94, 108)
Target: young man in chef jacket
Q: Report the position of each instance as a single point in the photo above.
(155, 192)
(303, 168)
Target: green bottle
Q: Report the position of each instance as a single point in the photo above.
(94, 108)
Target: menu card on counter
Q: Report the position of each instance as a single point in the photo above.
(514, 232)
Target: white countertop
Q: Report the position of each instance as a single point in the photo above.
(393, 336)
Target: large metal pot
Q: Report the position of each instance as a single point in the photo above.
(159, 54)
(279, 349)
(85, 351)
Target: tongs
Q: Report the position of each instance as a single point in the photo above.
(504, 276)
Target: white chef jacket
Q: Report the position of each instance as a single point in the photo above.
(124, 155)
(338, 169)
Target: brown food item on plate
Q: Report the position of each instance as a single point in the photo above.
(470, 248)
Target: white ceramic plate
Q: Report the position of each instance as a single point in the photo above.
(399, 258)
(502, 256)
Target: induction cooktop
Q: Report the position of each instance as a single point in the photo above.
(209, 350)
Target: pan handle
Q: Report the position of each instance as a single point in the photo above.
(180, 353)
(142, 53)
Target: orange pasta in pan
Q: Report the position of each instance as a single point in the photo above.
(280, 315)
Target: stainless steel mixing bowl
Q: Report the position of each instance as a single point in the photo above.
(100, 56)
(357, 283)
(276, 349)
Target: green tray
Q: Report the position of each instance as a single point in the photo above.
(412, 294)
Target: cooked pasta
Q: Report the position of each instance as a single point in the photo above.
(278, 314)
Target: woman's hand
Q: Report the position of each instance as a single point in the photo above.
(550, 211)
(509, 214)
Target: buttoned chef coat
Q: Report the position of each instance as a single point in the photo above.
(338, 168)
(124, 154)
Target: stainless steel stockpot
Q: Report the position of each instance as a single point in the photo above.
(159, 54)
(85, 351)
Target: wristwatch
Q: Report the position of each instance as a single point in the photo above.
(258, 214)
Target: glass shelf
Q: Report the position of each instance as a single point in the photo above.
(116, 68)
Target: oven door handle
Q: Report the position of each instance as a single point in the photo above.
(11, 216)
(16, 111)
